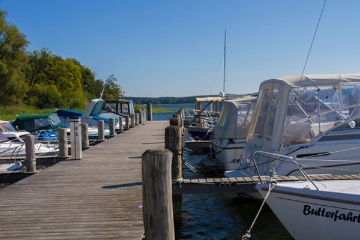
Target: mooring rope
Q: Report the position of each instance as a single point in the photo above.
(247, 235)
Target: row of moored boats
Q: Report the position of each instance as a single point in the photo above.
(298, 125)
(45, 127)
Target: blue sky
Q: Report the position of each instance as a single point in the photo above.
(175, 48)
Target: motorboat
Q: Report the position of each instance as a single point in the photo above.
(201, 121)
(43, 126)
(328, 209)
(8, 132)
(230, 131)
(99, 109)
(313, 119)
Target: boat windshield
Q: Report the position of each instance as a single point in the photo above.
(263, 118)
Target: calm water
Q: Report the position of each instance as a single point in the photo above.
(221, 216)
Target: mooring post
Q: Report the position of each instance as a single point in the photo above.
(30, 153)
(127, 122)
(132, 118)
(149, 111)
(143, 117)
(112, 127)
(173, 142)
(121, 124)
(157, 195)
(63, 143)
(101, 135)
(137, 119)
(85, 136)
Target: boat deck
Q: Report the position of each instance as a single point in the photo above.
(98, 197)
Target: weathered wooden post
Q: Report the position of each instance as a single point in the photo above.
(63, 143)
(112, 127)
(149, 111)
(127, 122)
(85, 136)
(132, 119)
(30, 153)
(157, 195)
(143, 117)
(137, 118)
(101, 134)
(121, 124)
(173, 142)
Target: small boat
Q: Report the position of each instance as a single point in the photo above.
(44, 126)
(8, 132)
(201, 121)
(313, 119)
(99, 109)
(16, 150)
(12, 145)
(328, 209)
(230, 131)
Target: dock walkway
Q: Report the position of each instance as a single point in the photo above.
(98, 197)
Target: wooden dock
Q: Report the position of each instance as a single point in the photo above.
(98, 197)
(242, 185)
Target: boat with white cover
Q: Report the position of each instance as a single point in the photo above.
(313, 119)
(230, 131)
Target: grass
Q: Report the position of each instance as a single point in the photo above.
(11, 112)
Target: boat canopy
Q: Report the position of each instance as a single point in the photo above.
(213, 104)
(235, 118)
(35, 122)
(297, 109)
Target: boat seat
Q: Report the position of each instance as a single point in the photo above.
(297, 133)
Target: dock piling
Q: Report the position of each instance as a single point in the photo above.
(30, 153)
(101, 134)
(149, 111)
(85, 135)
(63, 143)
(112, 127)
(157, 195)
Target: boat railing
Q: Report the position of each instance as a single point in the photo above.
(47, 140)
(276, 157)
(13, 150)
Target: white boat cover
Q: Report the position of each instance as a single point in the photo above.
(234, 118)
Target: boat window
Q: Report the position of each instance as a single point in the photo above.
(223, 115)
(97, 108)
(265, 112)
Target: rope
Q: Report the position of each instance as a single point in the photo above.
(312, 42)
(247, 235)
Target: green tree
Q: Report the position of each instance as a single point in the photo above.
(112, 90)
(13, 63)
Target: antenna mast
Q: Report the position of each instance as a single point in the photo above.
(224, 62)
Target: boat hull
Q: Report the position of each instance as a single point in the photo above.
(316, 214)
(228, 153)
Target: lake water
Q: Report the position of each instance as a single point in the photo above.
(220, 216)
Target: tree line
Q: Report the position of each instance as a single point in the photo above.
(43, 79)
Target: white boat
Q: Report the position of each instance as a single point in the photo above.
(327, 209)
(15, 150)
(12, 145)
(313, 119)
(230, 131)
(201, 121)
(8, 132)
(99, 109)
